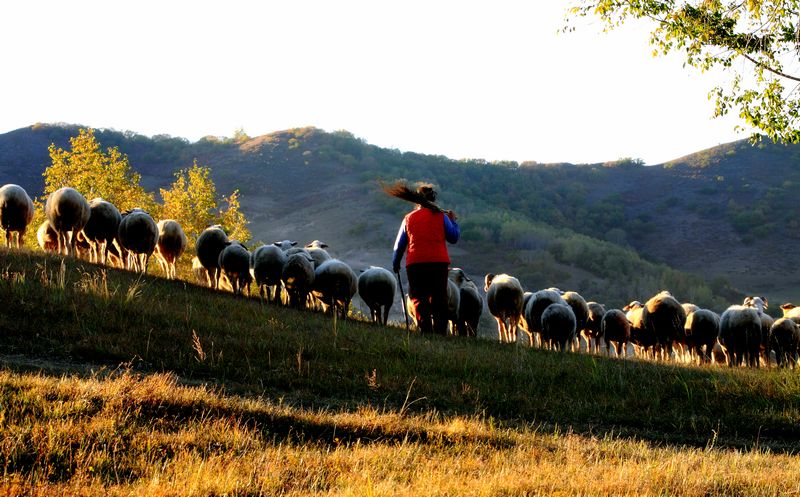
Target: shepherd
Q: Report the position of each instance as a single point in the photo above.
(424, 233)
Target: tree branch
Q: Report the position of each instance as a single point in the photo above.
(770, 69)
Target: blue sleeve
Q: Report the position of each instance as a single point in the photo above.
(451, 230)
(400, 245)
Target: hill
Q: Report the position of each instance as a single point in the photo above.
(614, 231)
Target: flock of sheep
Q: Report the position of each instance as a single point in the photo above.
(309, 277)
(99, 232)
(662, 327)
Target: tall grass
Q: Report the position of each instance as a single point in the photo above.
(317, 406)
(125, 434)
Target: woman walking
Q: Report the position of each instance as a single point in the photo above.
(424, 234)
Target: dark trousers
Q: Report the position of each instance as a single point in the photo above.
(427, 288)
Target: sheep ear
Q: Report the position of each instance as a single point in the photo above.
(765, 302)
(324, 245)
(294, 243)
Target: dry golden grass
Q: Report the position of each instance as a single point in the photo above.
(123, 434)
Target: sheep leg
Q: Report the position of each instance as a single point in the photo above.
(514, 323)
(73, 244)
(345, 309)
(501, 334)
(103, 252)
(63, 244)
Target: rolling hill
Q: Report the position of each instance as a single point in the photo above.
(710, 226)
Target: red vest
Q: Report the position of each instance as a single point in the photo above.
(426, 242)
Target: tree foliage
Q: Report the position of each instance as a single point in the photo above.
(232, 219)
(192, 201)
(96, 173)
(758, 41)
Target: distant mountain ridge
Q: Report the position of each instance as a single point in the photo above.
(725, 215)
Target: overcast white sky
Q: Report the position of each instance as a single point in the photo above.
(492, 80)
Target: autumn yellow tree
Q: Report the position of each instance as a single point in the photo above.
(192, 201)
(95, 173)
(232, 218)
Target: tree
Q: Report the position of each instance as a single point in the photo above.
(192, 201)
(763, 34)
(233, 220)
(239, 136)
(95, 173)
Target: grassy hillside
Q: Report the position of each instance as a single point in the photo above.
(113, 383)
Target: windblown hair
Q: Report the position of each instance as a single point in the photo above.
(424, 195)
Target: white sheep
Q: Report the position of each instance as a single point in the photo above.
(316, 250)
(138, 236)
(664, 316)
(784, 339)
(47, 237)
(68, 211)
(615, 327)
(534, 309)
(298, 277)
(470, 305)
(702, 330)
(171, 245)
(740, 334)
(201, 276)
(101, 229)
(641, 336)
(377, 288)
(593, 331)
(16, 213)
(559, 325)
(211, 242)
(200, 273)
(334, 285)
(285, 244)
(234, 262)
(453, 303)
(761, 303)
(266, 267)
(791, 311)
(579, 307)
(504, 297)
